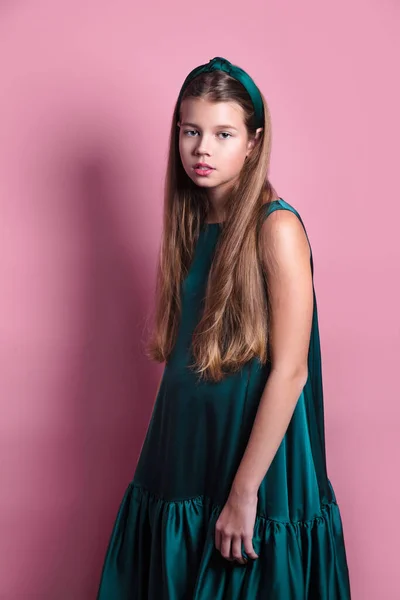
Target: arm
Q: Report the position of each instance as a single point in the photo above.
(286, 258)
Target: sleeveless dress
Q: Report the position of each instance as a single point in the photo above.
(162, 544)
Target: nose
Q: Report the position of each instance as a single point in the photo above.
(201, 149)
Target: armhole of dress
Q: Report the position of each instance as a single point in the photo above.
(281, 205)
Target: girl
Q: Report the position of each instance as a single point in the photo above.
(230, 497)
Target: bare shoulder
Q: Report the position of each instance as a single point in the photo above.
(283, 237)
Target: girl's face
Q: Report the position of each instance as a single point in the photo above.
(213, 133)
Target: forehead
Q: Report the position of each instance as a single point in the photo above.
(203, 113)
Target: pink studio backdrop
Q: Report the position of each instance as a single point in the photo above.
(86, 97)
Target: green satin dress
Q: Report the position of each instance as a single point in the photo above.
(162, 544)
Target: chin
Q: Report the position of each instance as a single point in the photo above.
(203, 182)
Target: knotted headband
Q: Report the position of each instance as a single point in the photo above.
(222, 64)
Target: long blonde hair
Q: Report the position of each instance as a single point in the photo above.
(234, 325)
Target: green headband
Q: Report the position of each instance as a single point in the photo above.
(222, 64)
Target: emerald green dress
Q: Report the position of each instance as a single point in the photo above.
(162, 544)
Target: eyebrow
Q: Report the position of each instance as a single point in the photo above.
(216, 127)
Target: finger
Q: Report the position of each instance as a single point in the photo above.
(236, 551)
(249, 549)
(217, 538)
(226, 547)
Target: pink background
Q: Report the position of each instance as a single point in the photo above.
(86, 97)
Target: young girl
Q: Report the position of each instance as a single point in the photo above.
(231, 497)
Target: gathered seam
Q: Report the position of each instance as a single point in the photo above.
(215, 507)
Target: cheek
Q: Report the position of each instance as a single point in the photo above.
(185, 148)
(233, 158)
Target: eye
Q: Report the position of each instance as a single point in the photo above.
(190, 131)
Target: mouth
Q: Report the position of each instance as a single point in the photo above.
(203, 170)
(204, 166)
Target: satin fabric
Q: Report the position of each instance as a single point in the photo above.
(162, 544)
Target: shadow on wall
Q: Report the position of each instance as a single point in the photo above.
(79, 388)
(113, 399)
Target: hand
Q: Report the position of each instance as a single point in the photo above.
(235, 526)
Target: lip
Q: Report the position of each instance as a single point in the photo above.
(197, 165)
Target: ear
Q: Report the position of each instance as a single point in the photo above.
(254, 141)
